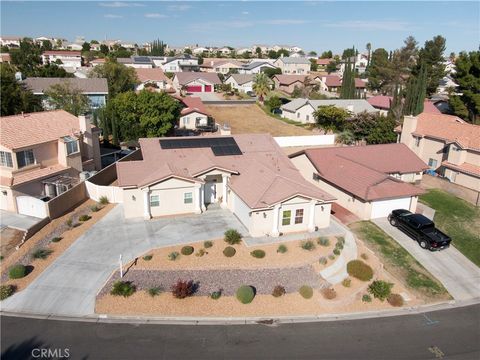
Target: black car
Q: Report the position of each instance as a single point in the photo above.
(420, 228)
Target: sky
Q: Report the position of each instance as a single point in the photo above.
(312, 25)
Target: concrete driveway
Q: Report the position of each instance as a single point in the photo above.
(69, 285)
(459, 275)
(17, 221)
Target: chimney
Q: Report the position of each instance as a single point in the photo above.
(86, 129)
(408, 127)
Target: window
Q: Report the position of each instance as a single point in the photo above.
(154, 200)
(188, 198)
(25, 158)
(417, 142)
(432, 163)
(315, 177)
(185, 121)
(71, 144)
(286, 217)
(6, 159)
(298, 115)
(308, 117)
(298, 216)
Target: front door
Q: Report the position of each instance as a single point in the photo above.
(210, 193)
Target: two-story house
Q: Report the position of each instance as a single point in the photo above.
(180, 63)
(293, 65)
(63, 58)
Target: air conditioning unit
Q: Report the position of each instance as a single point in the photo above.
(84, 175)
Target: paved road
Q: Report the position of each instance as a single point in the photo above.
(458, 274)
(69, 285)
(446, 334)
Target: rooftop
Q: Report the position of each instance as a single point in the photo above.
(290, 79)
(294, 60)
(354, 105)
(62, 52)
(193, 103)
(187, 77)
(242, 78)
(153, 74)
(39, 85)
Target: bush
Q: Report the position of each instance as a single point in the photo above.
(329, 293)
(282, 249)
(306, 291)
(187, 250)
(259, 254)
(347, 282)
(6, 291)
(56, 239)
(123, 288)
(173, 256)
(336, 251)
(232, 237)
(278, 291)
(323, 260)
(41, 253)
(69, 222)
(366, 298)
(94, 208)
(331, 257)
(245, 294)
(148, 257)
(17, 271)
(364, 256)
(216, 295)
(154, 291)
(201, 252)
(339, 246)
(307, 245)
(395, 299)
(341, 240)
(103, 200)
(229, 251)
(380, 289)
(323, 241)
(208, 244)
(359, 270)
(182, 289)
(84, 218)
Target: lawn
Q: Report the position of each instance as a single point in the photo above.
(398, 261)
(457, 218)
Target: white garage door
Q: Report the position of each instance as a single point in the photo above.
(384, 208)
(241, 210)
(28, 205)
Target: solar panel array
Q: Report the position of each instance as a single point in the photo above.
(224, 146)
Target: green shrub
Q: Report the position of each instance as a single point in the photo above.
(336, 251)
(341, 239)
(306, 291)
(329, 293)
(323, 241)
(347, 282)
(339, 246)
(56, 239)
(94, 208)
(208, 244)
(154, 291)
(84, 218)
(173, 256)
(307, 245)
(323, 260)
(380, 289)
(41, 253)
(259, 254)
(366, 298)
(216, 295)
(187, 250)
(229, 251)
(278, 291)
(1, 257)
(245, 294)
(17, 271)
(331, 257)
(147, 257)
(364, 256)
(201, 252)
(359, 270)
(232, 237)
(103, 200)
(6, 291)
(282, 249)
(123, 288)
(69, 222)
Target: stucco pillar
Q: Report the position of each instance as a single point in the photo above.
(202, 197)
(276, 216)
(197, 199)
(311, 216)
(146, 204)
(224, 191)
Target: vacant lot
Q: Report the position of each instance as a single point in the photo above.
(251, 119)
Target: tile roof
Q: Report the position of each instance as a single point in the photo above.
(193, 103)
(384, 102)
(242, 78)
(37, 174)
(87, 86)
(324, 61)
(294, 60)
(189, 76)
(464, 167)
(256, 64)
(63, 52)
(359, 83)
(290, 79)
(354, 105)
(153, 74)
(332, 80)
(262, 164)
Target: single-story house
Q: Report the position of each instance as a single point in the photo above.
(194, 116)
(383, 103)
(196, 81)
(247, 174)
(241, 82)
(287, 83)
(153, 79)
(221, 66)
(255, 67)
(293, 65)
(64, 58)
(180, 63)
(369, 181)
(302, 109)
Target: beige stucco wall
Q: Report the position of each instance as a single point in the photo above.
(432, 149)
(462, 179)
(7, 201)
(473, 157)
(456, 155)
(303, 114)
(189, 121)
(292, 68)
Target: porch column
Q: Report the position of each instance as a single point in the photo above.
(224, 191)
(202, 197)
(276, 216)
(197, 199)
(146, 203)
(311, 216)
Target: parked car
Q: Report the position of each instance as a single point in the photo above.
(420, 228)
(251, 93)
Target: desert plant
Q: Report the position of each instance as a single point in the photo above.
(245, 294)
(359, 270)
(84, 218)
(364, 256)
(56, 239)
(329, 293)
(201, 252)
(207, 244)
(323, 241)
(173, 256)
(41, 253)
(103, 200)
(306, 291)
(232, 237)
(123, 288)
(6, 291)
(395, 299)
(154, 291)
(17, 271)
(229, 251)
(69, 222)
(259, 254)
(216, 294)
(187, 250)
(380, 289)
(307, 245)
(148, 257)
(347, 282)
(94, 208)
(341, 239)
(323, 260)
(182, 289)
(366, 298)
(282, 249)
(331, 257)
(339, 245)
(336, 251)
(278, 291)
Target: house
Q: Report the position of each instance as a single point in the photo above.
(255, 67)
(449, 145)
(293, 65)
(95, 62)
(196, 81)
(225, 50)
(63, 58)
(369, 181)
(447, 85)
(241, 82)
(10, 41)
(247, 174)
(195, 116)
(302, 110)
(323, 63)
(180, 63)
(221, 66)
(199, 50)
(73, 46)
(137, 62)
(154, 79)
(360, 62)
(42, 155)
(382, 103)
(95, 89)
(288, 83)
(5, 58)
(329, 83)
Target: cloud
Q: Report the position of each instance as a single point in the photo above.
(284, 22)
(387, 25)
(155, 16)
(245, 13)
(120, 4)
(216, 25)
(182, 7)
(112, 16)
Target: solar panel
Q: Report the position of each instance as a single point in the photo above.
(224, 146)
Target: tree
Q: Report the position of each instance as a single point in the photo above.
(373, 128)
(104, 49)
(348, 90)
(331, 117)
(415, 94)
(458, 106)
(94, 42)
(258, 51)
(431, 56)
(369, 49)
(312, 53)
(52, 70)
(66, 97)
(272, 54)
(271, 72)
(313, 65)
(402, 62)
(86, 46)
(348, 53)
(396, 106)
(379, 71)
(273, 102)
(282, 52)
(326, 55)
(345, 137)
(119, 77)
(261, 86)
(46, 45)
(188, 51)
(332, 65)
(27, 57)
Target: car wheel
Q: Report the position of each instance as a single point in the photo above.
(393, 222)
(423, 244)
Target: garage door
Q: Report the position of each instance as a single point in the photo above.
(384, 208)
(194, 88)
(28, 205)
(208, 88)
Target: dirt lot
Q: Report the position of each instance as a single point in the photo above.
(251, 119)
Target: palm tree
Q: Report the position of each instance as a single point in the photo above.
(369, 48)
(261, 86)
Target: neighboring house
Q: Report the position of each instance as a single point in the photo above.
(360, 61)
(73, 46)
(447, 144)
(447, 86)
(199, 50)
(10, 41)
(361, 87)
(64, 58)
(5, 58)
(329, 83)
(180, 63)
(323, 63)
(248, 174)
(42, 155)
(255, 67)
(196, 81)
(96, 62)
(293, 65)
(154, 79)
(195, 116)
(95, 89)
(288, 83)
(370, 181)
(221, 66)
(382, 103)
(302, 110)
(241, 82)
(138, 62)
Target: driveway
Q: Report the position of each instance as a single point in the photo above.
(69, 285)
(17, 221)
(459, 275)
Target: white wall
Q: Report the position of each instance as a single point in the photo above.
(303, 114)
(113, 193)
(241, 210)
(308, 140)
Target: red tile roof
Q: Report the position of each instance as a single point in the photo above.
(187, 77)
(290, 79)
(464, 167)
(37, 174)
(384, 102)
(359, 83)
(153, 74)
(193, 104)
(332, 80)
(324, 61)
